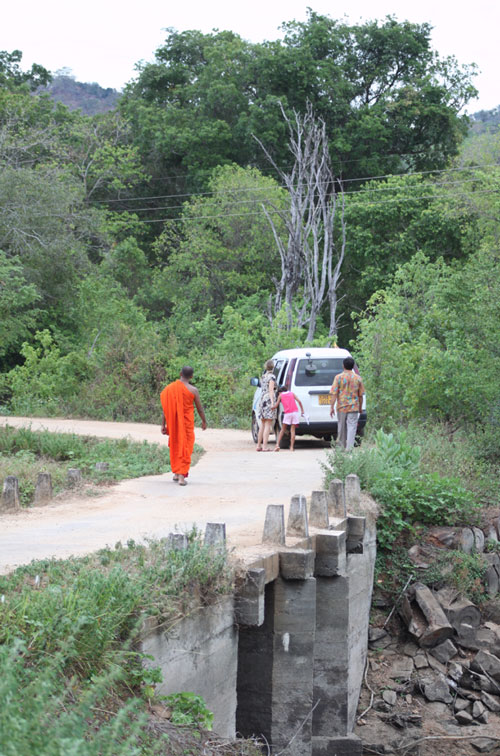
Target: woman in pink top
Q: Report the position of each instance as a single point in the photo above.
(291, 415)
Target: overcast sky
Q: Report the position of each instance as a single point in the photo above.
(103, 40)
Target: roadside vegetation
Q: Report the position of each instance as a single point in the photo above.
(421, 476)
(24, 453)
(71, 680)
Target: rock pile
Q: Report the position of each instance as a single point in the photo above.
(458, 657)
(448, 670)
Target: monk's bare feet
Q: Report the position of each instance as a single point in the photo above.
(182, 480)
(175, 478)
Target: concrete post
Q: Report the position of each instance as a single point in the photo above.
(356, 527)
(274, 526)
(101, 466)
(74, 476)
(43, 489)
(352, 493)
(10, 493)
(297, 564)
(297, 517)
(215, 535)
(255, 673)
(331, 657)
(293, 654)
(249, 598)
(318, 512)
(275, 669)
(336, 502)
(176, 542)
(331, 558)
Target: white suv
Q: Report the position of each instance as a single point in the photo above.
(309, 373)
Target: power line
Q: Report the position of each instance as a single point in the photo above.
(340, 162)
(271, 168)
(254, 200)
(282, 186)
(431, 198)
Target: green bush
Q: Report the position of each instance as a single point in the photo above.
(71, 682)
(427, 499)
(189, 709)
(391, 471)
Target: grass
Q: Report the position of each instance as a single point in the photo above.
(24, 453)
(67, 632)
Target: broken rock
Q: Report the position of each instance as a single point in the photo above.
(390, 697)
(486, 663)
(484, 745)
(444, 652)
(463, 717)
(436, 665)
(402, 668)
(376, 634)
(478, 708)
(420, 661)
(438, 690)
(492, 702)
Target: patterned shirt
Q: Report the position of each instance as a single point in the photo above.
(347, 391)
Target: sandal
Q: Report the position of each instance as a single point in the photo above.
(259, 448)
(175, 478)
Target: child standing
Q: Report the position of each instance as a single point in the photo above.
(291, 415)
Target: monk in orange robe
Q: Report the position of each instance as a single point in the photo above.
(178, 400)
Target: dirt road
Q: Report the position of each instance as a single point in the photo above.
(231, 483)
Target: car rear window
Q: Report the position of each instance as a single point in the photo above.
(320, 372)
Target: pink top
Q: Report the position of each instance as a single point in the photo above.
(288, 402)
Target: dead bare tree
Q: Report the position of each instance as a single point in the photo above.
(311, 260)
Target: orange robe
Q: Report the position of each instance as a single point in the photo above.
(178, 407)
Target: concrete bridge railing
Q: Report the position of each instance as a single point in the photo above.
(284, 657)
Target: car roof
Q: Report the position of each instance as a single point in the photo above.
(314, 352)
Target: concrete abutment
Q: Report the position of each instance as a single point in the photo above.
(284, 658)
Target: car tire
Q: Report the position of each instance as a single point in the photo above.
(255, 428)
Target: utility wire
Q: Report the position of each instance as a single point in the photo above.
(340, 162)
(254, 200)
(431, 198)
(260, 189)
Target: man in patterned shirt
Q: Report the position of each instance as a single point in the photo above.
(347, 392)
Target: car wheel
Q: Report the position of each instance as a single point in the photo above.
(255, 428)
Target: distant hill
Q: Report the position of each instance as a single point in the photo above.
(78, 95)
(485, 120)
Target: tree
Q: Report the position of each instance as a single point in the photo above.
(390, 220)
(44, 225)
(12, 76)
(30, 128)
(310, 260)
(17, 300)
(226, 248)
(431, 340)
(388, 102)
